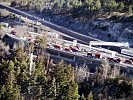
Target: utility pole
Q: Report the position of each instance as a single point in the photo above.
(31, 62)
(29, 79)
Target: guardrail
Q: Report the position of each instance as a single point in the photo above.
(17, 38)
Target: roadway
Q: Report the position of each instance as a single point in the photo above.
(64, 30)
(81, 55)
(73, 57)
(80, 37)
(77, 59)
(104, 51)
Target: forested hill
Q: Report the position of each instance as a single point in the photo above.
(47, 80)
(76, 8)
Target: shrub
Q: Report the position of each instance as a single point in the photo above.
(13, 3)
(4, 13)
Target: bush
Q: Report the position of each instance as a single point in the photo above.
(13, 3)
(4, 13)
(128, 19)
(114, 17)
(102, 27)
(0, 27)
(109, 35)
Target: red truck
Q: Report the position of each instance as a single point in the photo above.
(57, 46)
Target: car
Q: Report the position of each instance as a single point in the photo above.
(89, 54)
(74, 49)
(57, 46)
(131, 59)
(116, 60)
(110, 59)
(13, 32)
(31, 38)
(67, 48)
(49, 45)
(97, 55)
(127, 61)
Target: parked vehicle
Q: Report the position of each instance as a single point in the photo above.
(31, 39)
(67, 48)
(89, 54)
(127, 61)
(74, 48)
(13, 32)
(57, 46)
(98, 55)
(94, 54)
(116, 60)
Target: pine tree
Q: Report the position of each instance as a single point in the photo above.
(68, 3)
(29, 5)
(89, 1)
(68, 91)
(112, 5)
(38, 8)
(41, 45)
(18, 71)
(61, 3)
(91, 5)
(63, 74)
(34, 82)
(97, 4)
(49, 89)
(22, 72)
(90, 96)
(0, 28)
(75, 2)
(39, 72)
(130, 11)
(3, 71)
(13, 4)
(72, 91)
(10, 89)
(19, 53)
(82, 97)
(121, 6)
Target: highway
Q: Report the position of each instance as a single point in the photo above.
(51, 25)
(79, 56)
(76, 59)
(82, 53)
(64, 31)
(80, 37)
(87, 48)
